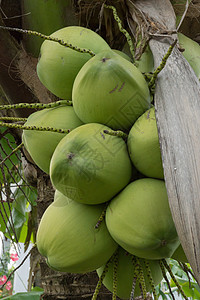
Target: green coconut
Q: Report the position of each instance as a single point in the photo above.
(179, 255)
(144, 147)
(139, 220)
(146, 62)
(110, 90)
(126, 274)
(191, 52)
(122, 54)
(41, 144)
(58, 65)
(90, 166)
(68, 239)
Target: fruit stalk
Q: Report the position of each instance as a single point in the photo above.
(17, 126)
(174, 278)
(50, 38)
(162, 65)
(102, 216)
(118, 133)
(147, 266)
(115, 267)
(13, 119)
(166, 279)
(101, 278)
(187, 270)
(135, 278)
(124, 31)
(36, 105)
(141, 280)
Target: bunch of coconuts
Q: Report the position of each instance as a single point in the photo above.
(94, 168)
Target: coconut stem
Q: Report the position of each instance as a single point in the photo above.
(187, 269)
(102, 216)
(117, 133)
(124, 31)
(148, 76)
(135, 276)
(162, 65)
(142, 280)
(174, 278)
(13, 152)
(101, 278)
(36, 105)
(115, 267)
(13, 119)
(165, 277)
(186, 272)
(50, 38)
(24, 127)
(133, 288)
(150, 278)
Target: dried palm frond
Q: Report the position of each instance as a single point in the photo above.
(193, 9)
(92, 14)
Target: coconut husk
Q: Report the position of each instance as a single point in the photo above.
(193, 9)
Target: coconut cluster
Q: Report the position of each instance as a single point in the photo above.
(107, 172)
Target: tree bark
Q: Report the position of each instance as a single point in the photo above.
(177, 105)
(13, 88)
